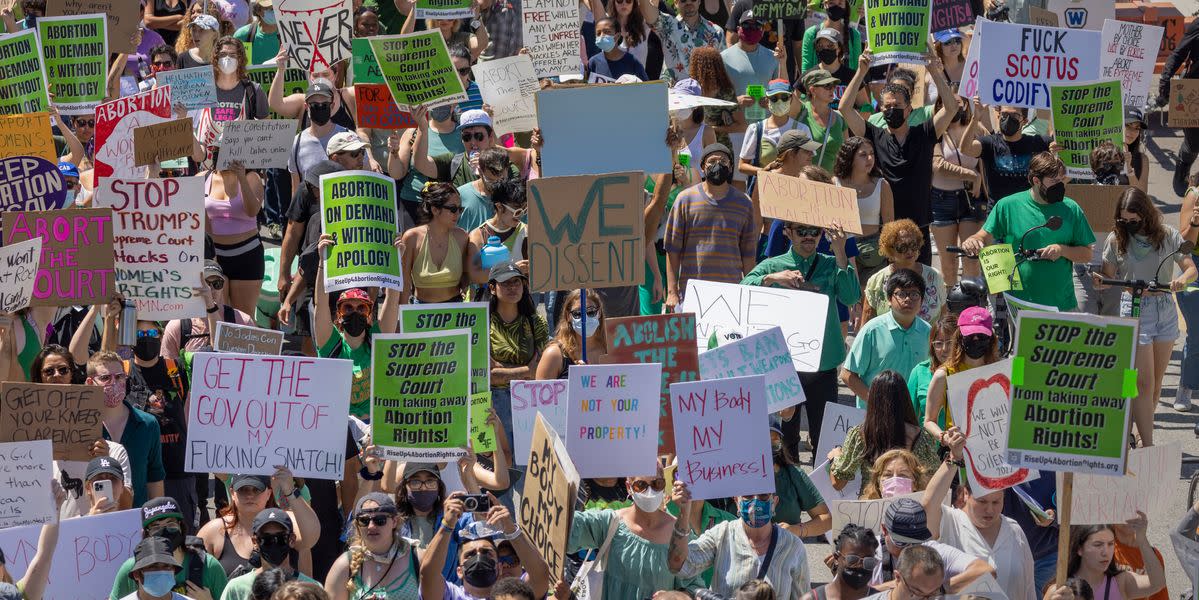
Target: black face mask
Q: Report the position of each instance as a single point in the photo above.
(976, 346)
(962, 117)
(1054, 193)
(320, 114)
(480, 571)
(1109, 174)
(354, 324)
(147, 347)
(836, 13)
(1130, 228)
(894, 117)
(173, 536)
(274, 553)
(826, 56)
(442, 113)
(1009, 124)
(718, 174)
(856, 578)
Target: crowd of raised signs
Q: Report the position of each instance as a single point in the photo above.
(464, 299)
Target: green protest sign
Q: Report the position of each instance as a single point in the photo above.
(482, 435)
(897, 30)
(75, 50)
(444, 9)
(295, 81)
(366, 69)
(474, 316)
(420, 394)
(1083, 117)
(22, 80)
(358, 208)
(998, 264)
(1072, 381)
(417, 68)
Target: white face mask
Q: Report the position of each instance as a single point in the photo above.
(648, 501)
(227, 65)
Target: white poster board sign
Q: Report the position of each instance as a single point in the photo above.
(613, 419)
(529, 398)
(1019, 62)
(250, 413)
(89, 553)
(722, 437)
(1100, 499)
(18, 272)
(551, 33)
(257, 144)
(25, 494)
(728, 312)
(763, 353)
(981, 405)
(508, 85)
(838, 419)
(1129, 53)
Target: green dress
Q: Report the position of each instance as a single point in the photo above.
(635, 567)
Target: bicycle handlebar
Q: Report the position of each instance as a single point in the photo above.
(959, 251)
(1135, 284)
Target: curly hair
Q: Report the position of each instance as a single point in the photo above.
(565, 336)
(238, 48)
(185, 41)
(843, 165)
(873, 488)
(435, 195)
(707, 68)
(1105, 152)
(897, 90)
(891, 233)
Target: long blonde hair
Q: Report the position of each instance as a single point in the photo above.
(185, 42)
(358, 553)
(873, 487)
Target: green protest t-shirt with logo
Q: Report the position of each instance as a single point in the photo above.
(360, 386)
(1045, 282)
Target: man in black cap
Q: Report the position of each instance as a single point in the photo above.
(162, 520)
(274, 543)
(905, 525)
(712, 231)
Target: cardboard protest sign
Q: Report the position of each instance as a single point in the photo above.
(951, 14)
(123, 19)
(550, 31)
(763, 353)
(808, 202)
(420, 394)
(158, 227)
(194, 87)
(979, 400)
(31, 183)
(89, 553)
(727, 311)
(722, 437)
(115, 122)
(23, 86)
(316, 33)
(1084, 116)
(295, 81)
(444, 9)
(533, 401)
(548, 499)
(1129, 53)
(258, 144)
(249, 413)
(508, 86)
(864, 513)
(1040, 16)
(18, 272)
(586, 231)
(243, 339)
(613, 419)
(27, 135)
(163, 141)
(634, 146)
(378, 110)
(1098, 202)
(77, 254)
(363, 66)
(1102, 499)
(998, 263)
(1018, 63)
(67, 415)
(358, 208)
(26, 497)
(75, 53)
(1184, 103)
(1082, 14)
(667, 339)
(418, 69)
(898, 31)
(1072, 378)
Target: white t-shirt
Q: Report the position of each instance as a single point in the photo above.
(1011, 555)
(769, 135)
(77, 506)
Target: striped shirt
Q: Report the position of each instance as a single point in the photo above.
(726, 547)
(713, 237)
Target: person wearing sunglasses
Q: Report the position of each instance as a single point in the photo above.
(477, 202)
(137, 430)
(381, 563)
(896, 340)
(507, 222)
(567, 346)
(852, 564)
(905, 525)
(681, 34)
(901, 243)
(348, 150)
(274, 543)
(311, 145)
(181, 337)
(762, 138)
(751, 547)
(429, 278)
(476, 135)
(803, 268)
(198, 572)
(232, 200)
(345, 329)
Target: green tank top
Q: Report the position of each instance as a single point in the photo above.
(33, 345)
(405, 586)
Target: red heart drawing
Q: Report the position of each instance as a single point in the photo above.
(994, 483)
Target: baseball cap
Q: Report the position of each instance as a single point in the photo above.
(271, 515)
(748, 16)
(357, 294)
(68, 169)
(259, 482)
(386, 503)
(906, 522)
(945, 35)
(162, 507)
(346, 141)
(202, 21)
(474, 117)
(687, 86)
(1132, 114)
(797, 139)
(975, 320)
(818, 77)
(778, 86)
(714, 148)
(313, 175)
(9, 591)
(504, 271)
(319, 87)
(264, 3)
(152, 551)
(413, 468)
(102, 465)
(829, 34)
(212, 267)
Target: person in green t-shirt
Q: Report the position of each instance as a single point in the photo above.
(1026, 221)
(349, 336)
(163, 520)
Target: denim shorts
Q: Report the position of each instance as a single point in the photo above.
(1159, 317)
(951, 207)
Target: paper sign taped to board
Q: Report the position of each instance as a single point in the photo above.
(797, 200)
(508, 85)
(163, 141)
(1129, 55)
(546, 398)
(763, 353)
(115, 122)
(1019, 62)
(420, 394)
(75, 268)
(18, 271)
(26, 497)
(244, 339)
(195, 88)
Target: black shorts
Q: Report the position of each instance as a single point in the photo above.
(243, 261)
(953, 207)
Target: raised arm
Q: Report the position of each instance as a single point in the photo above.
(432, 582)
(290, 106)
(322, 322)
(938, 486)
(853, 119)
(945, 115)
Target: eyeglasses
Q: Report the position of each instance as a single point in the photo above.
(418, 485)
(936, 594)
(52, 371)
(477, 135)
(110, 377)
(853, 561)
(281, 539)
(907, 247)
(353, 153)
(454, 208)
(163, 63)
(641, 485)
(464, 71)
(378, 520)
(592, 313)
(906, 295)
(147, 333)
(941, 345)
(346, 308)
(216, 283)
(82, 123)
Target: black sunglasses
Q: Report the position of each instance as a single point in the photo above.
(805, 231)
(280, 538)
(478, 136)
(378, 520)
(640, 485)
(454, 209)
(52, 371)
(217, 283)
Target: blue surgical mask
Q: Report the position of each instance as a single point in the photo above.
(268, 17)
(592, 324)
(605, 42)
(70, 198)
(756, 513)
(158, 583)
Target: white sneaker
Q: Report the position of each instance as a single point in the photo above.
(1182, 401)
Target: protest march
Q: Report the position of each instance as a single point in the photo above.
(599, 299)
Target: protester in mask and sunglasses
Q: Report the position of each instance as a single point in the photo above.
(974, 345)
(567, 346)
(836, 19)
(762, 138)
(639, 562)
(380, 562)
(1006, 151)
(853, 564)
(343, 101)
(164, 530)
(274, 546)
(311, 146)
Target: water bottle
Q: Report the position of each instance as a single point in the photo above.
(493, 253)
(127, 328)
